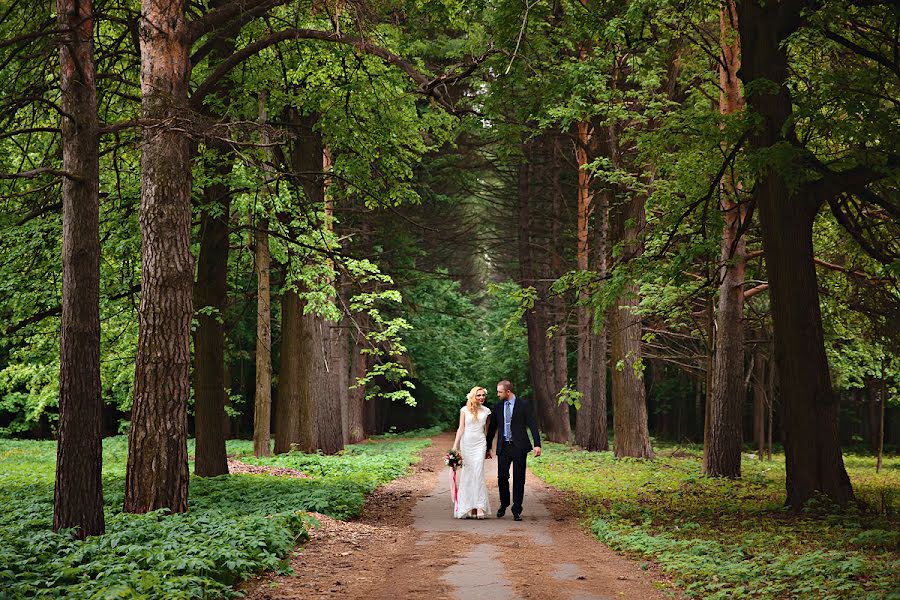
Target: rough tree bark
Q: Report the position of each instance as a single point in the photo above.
(540, 360)
(631, 435)
(759, 403)
(359, 361)
(157, 470)
(810, 408)
(78, 492)
(322, 397)
(209, 340)
(590, 423)
(262, 406)
(210, 396)
(559, 411)
(335, 368)
(294, 425)
(722, 453)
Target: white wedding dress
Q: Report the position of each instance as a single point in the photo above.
(472, 490)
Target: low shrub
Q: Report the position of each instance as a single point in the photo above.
(236, 525)
(719, 538)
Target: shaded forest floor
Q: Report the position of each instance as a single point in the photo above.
(407, 545)
(236, 525)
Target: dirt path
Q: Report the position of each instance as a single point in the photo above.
(408, 545)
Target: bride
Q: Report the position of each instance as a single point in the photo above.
(470, 442)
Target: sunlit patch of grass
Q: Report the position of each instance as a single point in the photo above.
(727, 539)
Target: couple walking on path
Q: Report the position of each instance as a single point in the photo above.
(477, 426)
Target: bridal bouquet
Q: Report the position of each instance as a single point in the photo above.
(453, 459)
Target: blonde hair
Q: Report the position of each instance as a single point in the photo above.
(472, 402)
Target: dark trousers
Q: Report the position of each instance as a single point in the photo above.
(507, 456)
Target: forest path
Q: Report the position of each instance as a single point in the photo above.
(408, 545)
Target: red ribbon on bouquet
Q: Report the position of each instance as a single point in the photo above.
(453, 491)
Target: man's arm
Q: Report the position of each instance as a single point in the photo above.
(533, 426)
(492, 428)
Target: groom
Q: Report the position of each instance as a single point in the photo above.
(508, 419)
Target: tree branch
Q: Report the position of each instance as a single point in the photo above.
(862, 51)
(426, 86)
(38, 172)
(221, 16)
(57, 310)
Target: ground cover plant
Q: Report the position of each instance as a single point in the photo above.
(721, 538)
(236, 525)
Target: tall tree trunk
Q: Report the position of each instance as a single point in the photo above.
(759, 403)
(810, 409)
(262, 410)
(590, 425)
(209, 341)
(871, 430)
(335, 372)
(631, 435)
(293, 425)
(540, 361)
(722, 453)
(327, 382)
(78, 493)
(584, 382)
(210, 396)
(880, 448)
(356, 412)
(562, 429)
(262, 413)
(357, 397)
(157, 471)
(322, 398)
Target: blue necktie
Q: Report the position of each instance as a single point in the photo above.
(507, 434)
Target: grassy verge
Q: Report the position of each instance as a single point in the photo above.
(236, 525)
(732, 539)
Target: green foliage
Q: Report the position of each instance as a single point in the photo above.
(236, 526)
(720, 538)
(456, 344)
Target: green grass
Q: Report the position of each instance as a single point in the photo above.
(236, 525)
(733, 539)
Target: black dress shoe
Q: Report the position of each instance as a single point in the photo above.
(501, 511)
(517, 517)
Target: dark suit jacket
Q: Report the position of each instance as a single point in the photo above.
(522, 416)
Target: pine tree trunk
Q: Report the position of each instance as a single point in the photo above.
(759, 403)
(880, 449)
(78, 493)
(722, 453)
(328, 381)
(871, 434)
(590, 424)
(209, 341)
(210, 397)
(357, 397)
(262, 413)
(262, 409)
(559, 411)
(157, 471)
(289, 413)
(586, 434)
(359, 362)
(334, 370)
(810, 409)
(631, 435)
(540, 362)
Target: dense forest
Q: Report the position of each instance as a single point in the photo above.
(308, 223)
